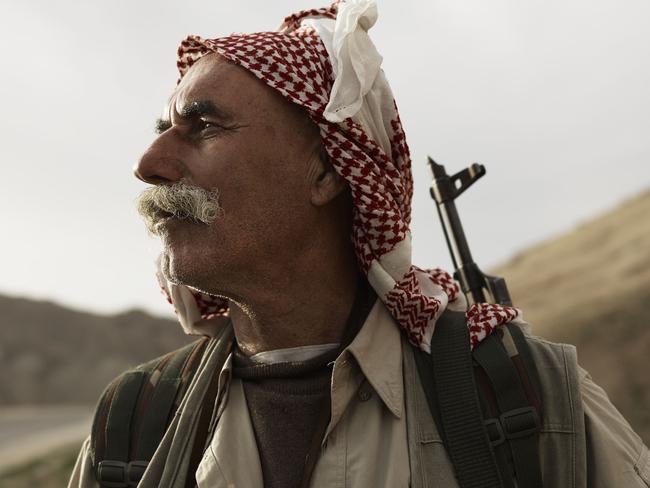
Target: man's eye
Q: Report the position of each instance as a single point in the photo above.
(205, 124)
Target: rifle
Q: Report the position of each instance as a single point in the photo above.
(473, 282)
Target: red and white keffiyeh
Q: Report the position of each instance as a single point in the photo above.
(324, 61)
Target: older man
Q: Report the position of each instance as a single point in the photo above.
(281, 192)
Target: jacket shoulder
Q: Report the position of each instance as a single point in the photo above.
(559, 374)
(553, 354)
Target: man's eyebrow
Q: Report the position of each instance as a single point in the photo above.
(196, 109)
(162, 125)
(202, 108)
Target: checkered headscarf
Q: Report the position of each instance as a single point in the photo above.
(324, 61)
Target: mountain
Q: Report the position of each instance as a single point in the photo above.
(51, 354)
(591, 287)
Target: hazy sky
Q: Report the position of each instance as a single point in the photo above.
(552, 96)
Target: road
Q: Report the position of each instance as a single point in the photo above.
(27, 432)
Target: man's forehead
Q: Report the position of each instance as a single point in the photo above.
(203, 81)
(216, 79)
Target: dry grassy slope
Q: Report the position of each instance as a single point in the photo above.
(51, 354)
(591, 287)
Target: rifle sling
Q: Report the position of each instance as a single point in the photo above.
(497, 441)
(518, 421)
(533, 385)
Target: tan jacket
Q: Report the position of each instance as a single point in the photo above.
(381, 434)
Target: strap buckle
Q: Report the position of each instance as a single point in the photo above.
(118, 474)
(495, 432)
(514, 424)
(520, 422)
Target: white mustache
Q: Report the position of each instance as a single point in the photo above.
(181, 200)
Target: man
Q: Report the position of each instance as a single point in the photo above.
(274, 150)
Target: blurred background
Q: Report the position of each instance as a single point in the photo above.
(551, 96)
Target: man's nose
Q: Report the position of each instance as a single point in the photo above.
(158, 165)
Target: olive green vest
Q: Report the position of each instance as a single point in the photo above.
(562, 439)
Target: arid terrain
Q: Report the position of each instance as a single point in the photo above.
(589, 287)
(54, 363)
(50, 354)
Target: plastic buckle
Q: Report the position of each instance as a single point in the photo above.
(495, 432)
(520, 422)
(118, 474)
(113, 474)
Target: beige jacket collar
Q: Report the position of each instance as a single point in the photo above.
(377, 359)
(377, 349)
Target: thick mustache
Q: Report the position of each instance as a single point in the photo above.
(180, 200)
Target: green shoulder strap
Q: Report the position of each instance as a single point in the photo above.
(134, 412)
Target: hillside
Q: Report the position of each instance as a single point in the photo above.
(51, 354)
(591, 287)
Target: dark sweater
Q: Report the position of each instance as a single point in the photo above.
(285, 401)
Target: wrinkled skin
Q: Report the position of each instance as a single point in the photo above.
(281, 251)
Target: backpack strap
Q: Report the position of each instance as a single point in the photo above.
(159, 406)
(519, 421)
(133, 414)
(491, 432)
(447, 377)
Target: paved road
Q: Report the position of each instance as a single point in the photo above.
(32, 431)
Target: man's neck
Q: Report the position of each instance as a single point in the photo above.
(311, 308)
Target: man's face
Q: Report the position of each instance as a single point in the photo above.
(226, 130)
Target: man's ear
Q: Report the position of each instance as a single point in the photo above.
(326, 183)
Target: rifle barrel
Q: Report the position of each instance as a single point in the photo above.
(444, 190)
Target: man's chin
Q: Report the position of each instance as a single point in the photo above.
(166, 268)
(176, 270)
(176, 258)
